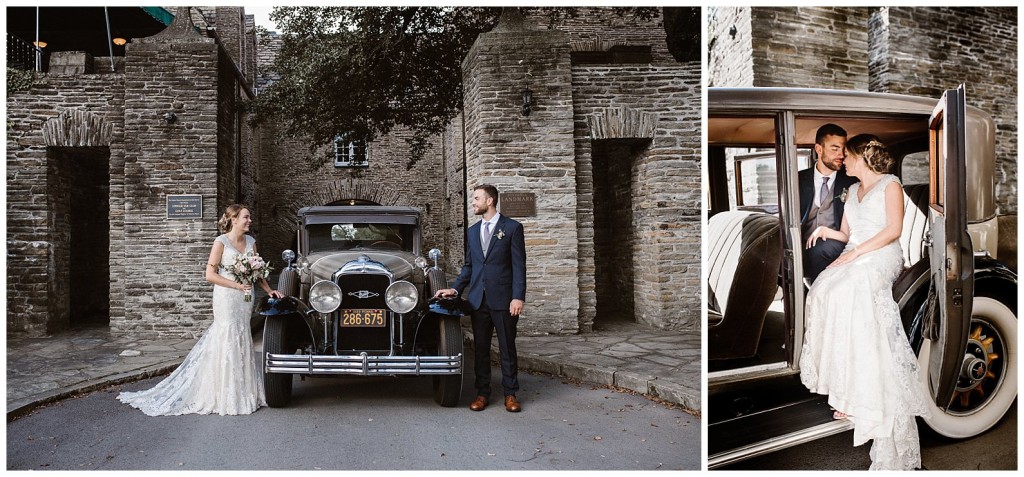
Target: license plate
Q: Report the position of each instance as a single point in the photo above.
(373, 318)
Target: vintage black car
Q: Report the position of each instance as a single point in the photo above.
(957, 293)
(359, 303)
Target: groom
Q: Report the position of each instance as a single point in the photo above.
(823, 197)
(493, 281)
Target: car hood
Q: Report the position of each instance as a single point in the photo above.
(400, 263)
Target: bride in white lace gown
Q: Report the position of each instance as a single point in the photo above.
(855, 349)
(221, 374)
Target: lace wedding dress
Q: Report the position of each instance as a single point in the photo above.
(222, 373)
(855, 349)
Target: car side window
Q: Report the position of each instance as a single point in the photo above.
(914, 169)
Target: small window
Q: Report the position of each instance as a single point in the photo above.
(350, 152)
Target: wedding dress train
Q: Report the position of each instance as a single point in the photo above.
(222, 373)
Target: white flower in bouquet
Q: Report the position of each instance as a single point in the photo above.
(248, 269)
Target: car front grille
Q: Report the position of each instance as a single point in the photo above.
(361, 291)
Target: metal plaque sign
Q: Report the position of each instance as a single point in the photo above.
(185, 206)
(518, 204)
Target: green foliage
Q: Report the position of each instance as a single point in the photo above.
(19, 80)
(367, 70)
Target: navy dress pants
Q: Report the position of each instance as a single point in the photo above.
(485, 323)
(821, 255)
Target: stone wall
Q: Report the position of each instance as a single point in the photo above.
(37, 253)
(591, 24)
(924, 51)
(657, 109)
(730, 47)
(455, 197)
(822, 47)
(289, 183)
(534, 153)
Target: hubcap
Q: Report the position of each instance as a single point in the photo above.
(982, 369)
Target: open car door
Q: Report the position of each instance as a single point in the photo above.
(952, 260)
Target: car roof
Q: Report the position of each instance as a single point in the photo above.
(381, 213)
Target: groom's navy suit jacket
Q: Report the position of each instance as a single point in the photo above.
(499, 277)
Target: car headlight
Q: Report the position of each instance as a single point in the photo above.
(325, 296)
(421, 263)
(401, 296)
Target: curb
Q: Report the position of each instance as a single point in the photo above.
(647, 385)
(26, 405)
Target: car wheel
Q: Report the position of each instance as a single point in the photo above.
(448, 388)
(278, 386)
(979, 405)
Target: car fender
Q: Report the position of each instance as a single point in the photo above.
(290, 307)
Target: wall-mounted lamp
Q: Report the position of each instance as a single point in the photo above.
(170, 117)
(527, 101)
(40, 44)
(119, 41)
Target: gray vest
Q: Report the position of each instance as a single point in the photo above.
(820, 215)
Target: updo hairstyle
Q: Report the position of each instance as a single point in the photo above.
(875, 155)
(233, 210)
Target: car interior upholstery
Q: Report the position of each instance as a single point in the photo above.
(745, 254)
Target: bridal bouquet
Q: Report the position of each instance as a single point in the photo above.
(248, 269)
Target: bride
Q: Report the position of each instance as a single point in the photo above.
(855, 349)
(222, 373)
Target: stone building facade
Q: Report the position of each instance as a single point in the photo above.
(906, 50)
(610, 152)
(91, 160)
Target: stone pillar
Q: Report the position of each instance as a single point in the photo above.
(533, 153)
(173, 72)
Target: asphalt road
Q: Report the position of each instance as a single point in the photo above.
(355, 423)
(996, 449)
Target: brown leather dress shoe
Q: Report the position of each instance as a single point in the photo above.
(478, 404)
(511, 404)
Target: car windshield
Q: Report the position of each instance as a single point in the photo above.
(348, 236)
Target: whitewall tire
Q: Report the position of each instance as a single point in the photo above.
(985, 408)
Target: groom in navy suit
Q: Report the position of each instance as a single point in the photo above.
(823, 189)
(493, 282)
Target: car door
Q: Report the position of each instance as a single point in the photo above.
(950, 250)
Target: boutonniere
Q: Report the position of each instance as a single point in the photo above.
(500, 234)
(842, 197)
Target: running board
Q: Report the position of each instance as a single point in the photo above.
(779, 443)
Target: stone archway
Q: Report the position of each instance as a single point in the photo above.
(77, 128)
(78, 194)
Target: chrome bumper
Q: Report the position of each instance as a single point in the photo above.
(362, 364)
